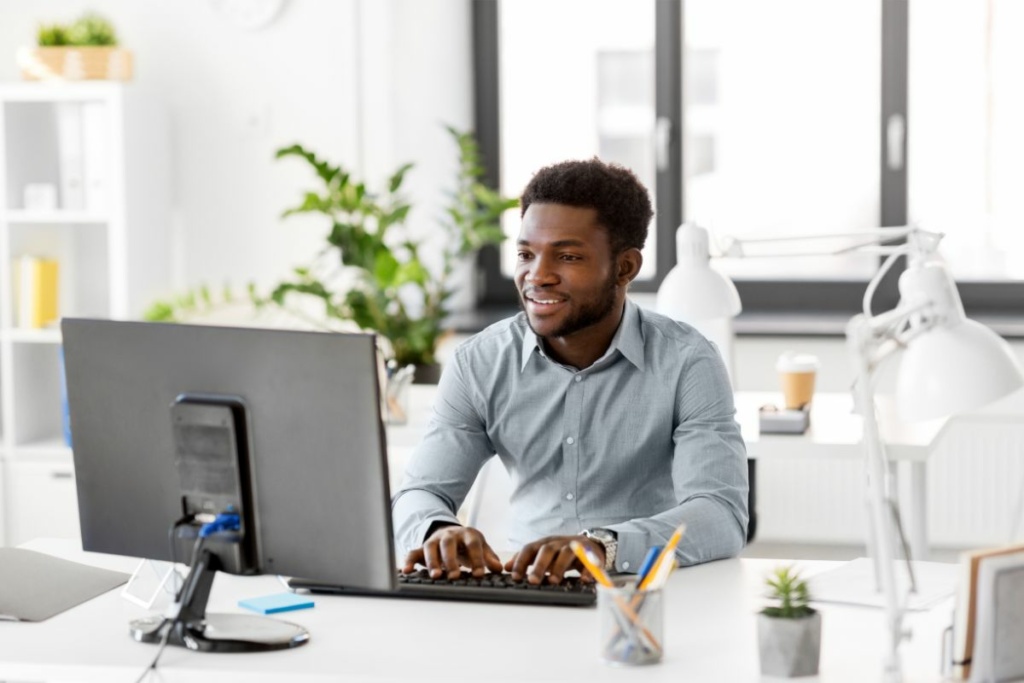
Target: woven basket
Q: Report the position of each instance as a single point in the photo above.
(75, 63)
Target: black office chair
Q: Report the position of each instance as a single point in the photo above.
(752, 498)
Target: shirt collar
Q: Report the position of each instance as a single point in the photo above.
(628, 339)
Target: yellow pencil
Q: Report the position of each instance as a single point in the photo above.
(666, 553)
(599, 574)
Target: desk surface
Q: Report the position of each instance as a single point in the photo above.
(710, 635)
(835, 430)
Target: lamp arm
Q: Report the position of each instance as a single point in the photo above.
(869, 342)
(883, 538)
(876, 240)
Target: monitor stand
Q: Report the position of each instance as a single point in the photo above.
(196, 630)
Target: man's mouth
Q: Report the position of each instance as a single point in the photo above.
(540, 302)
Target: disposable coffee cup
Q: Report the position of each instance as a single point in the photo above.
(796, 375)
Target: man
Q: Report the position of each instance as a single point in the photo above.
(612, 420)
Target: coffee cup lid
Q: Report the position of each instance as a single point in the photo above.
(791, 361)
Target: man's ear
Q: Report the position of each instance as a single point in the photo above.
(629, 262)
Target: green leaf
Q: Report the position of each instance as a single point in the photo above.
(395, 181)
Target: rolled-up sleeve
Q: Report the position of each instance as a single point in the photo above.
(445, 464)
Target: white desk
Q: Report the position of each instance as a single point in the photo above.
(835, 432)
(710, 636)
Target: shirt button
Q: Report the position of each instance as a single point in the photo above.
(625, 565)
(578, 378)
(570, 441)
(569, 496)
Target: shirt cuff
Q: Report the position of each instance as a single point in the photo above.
(631, 550)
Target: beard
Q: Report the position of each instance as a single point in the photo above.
(588, 313)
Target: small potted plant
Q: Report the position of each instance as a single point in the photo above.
(789, 630)
(86, 49)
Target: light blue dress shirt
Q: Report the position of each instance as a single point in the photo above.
(643, 439)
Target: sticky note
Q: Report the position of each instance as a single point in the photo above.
(280, 602)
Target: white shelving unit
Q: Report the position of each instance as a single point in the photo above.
(108, 232)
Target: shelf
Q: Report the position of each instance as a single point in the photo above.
(53, 447)
(55, 217)
(62, 91)
(44, 336)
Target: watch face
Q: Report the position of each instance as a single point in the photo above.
(248, 14)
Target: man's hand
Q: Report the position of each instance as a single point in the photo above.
(553, 557)
(449, 549)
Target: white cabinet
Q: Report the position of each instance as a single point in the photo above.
(44, 503)
(85, 185)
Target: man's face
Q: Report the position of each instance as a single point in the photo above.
(565, 273)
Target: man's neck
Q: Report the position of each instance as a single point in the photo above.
(582, 348)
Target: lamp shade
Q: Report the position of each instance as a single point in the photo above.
(955, 369)
(693, 290)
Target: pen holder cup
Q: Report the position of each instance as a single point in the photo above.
(631, 624)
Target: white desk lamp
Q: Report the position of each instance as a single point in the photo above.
(949, 365)
(698, 294)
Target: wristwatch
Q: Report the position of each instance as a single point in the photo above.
(609, 540)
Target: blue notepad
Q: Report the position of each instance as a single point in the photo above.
(281, 602)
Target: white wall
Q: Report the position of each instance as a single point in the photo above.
(364, 83)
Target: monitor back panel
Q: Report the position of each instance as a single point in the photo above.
(317, 442)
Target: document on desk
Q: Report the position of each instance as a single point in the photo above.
(854, 583)
(35, 586)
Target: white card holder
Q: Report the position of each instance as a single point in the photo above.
(152, 581)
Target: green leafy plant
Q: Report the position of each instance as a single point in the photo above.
(89, 29)
(194, 302)
(371, 270)
(789, 593)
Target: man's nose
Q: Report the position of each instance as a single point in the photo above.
(540, 272)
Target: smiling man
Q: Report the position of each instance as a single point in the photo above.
(614, 422)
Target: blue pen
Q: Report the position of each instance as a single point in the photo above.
(648, 562)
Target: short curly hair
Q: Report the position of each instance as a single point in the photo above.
(622, 202)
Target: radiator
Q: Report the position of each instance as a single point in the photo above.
(975, 484)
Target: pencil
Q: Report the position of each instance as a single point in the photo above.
(666, 553)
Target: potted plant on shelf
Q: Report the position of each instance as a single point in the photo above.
(83, 50)
(789, 630)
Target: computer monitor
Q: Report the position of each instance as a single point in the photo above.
(154, 407)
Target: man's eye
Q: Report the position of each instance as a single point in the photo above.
(523, 256)
(570, 257)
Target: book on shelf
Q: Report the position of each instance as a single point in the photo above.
(966, 613)
(36, 282)
(70, 155)
(95, 155)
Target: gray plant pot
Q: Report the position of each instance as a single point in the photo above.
(789, 647)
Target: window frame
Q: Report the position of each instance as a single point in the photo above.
(763, 300)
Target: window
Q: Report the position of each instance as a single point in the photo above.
(796, 122)
(967, 147)
(570, 81)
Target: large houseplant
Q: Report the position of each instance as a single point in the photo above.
(372, 271)
(789, 630)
